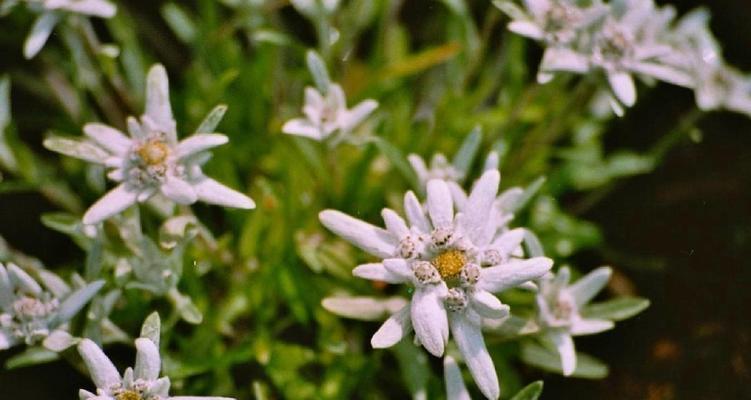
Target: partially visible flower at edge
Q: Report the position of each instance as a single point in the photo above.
(32, 314)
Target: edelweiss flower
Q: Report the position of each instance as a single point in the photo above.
(558, 306)
(152, 160)
(717, 84)
(555, 22)
(139, 383)
(440, 168)
(326, 114)
(630, 40)
(30, 314)
(51, 12)
(454, 262)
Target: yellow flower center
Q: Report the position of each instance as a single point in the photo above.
(450, 263)
(154, 152)
(129, 395)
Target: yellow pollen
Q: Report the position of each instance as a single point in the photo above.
(154, 152)
(450, 263)
(128, 395)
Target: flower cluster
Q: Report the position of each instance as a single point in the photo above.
(32, 313)
(152, 160)
(624, 39)
(51, 12)
(455, 260)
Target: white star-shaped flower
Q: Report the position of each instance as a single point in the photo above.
(454, 261)
(30, 313)
(558, 305)
(152, 160)
(327, 114)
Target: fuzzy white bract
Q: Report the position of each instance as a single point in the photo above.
(51, 12)
(327, 114)
(454, 260)
(139, 383)
(31, 313)
(559, 306)
(152, 160)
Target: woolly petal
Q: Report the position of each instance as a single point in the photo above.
(377, 272)
(623, 87)
(559, 59)
(336, 97)
(415, 213)
(178, 190)
(664, 73)
(363, 308)
(393, 330)
(394, 223)
(455, 388)
(102, 371)
(108, 137)
(526, 28)
(372, 239)
(148, 362)
(440, 205)
(96, 8)
(75, 302)
(587, 287)
(358, 114)
(506, 276)
(23, 281)
(487, 305)
(429, 318)
(478, 207)
(419, 166)
(115, 201)
(590, 326)
(7, 340)
(468, 338)
(564, 344)
(198, 143)
(158, 107)
(509, 241)
(39, 34)
(399, 267)
(302, 127)
(210, 191)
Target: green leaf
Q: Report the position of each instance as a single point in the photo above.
(616, 309)
(209, 124)
(151, 328)
(528, 194)
(541, 357)
(468, 151)
(318, 70)
(32, 356)
(530, 392)
(180, 22)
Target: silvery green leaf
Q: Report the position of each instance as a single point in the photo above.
(4, 103)
(543, 358)
(32, 356)
(151, 328)
(512, 326)
(529, 192)
(185, 307)
(53, 283)
(75, 302)
(179, 21)
(80, 149)
(212, 120)
(318, 70)
(413, 364)
(532, 244)
(616, 309)
(530, 392)
(468, 150)
(59, 340)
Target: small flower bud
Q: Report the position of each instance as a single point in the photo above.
(456, 300)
